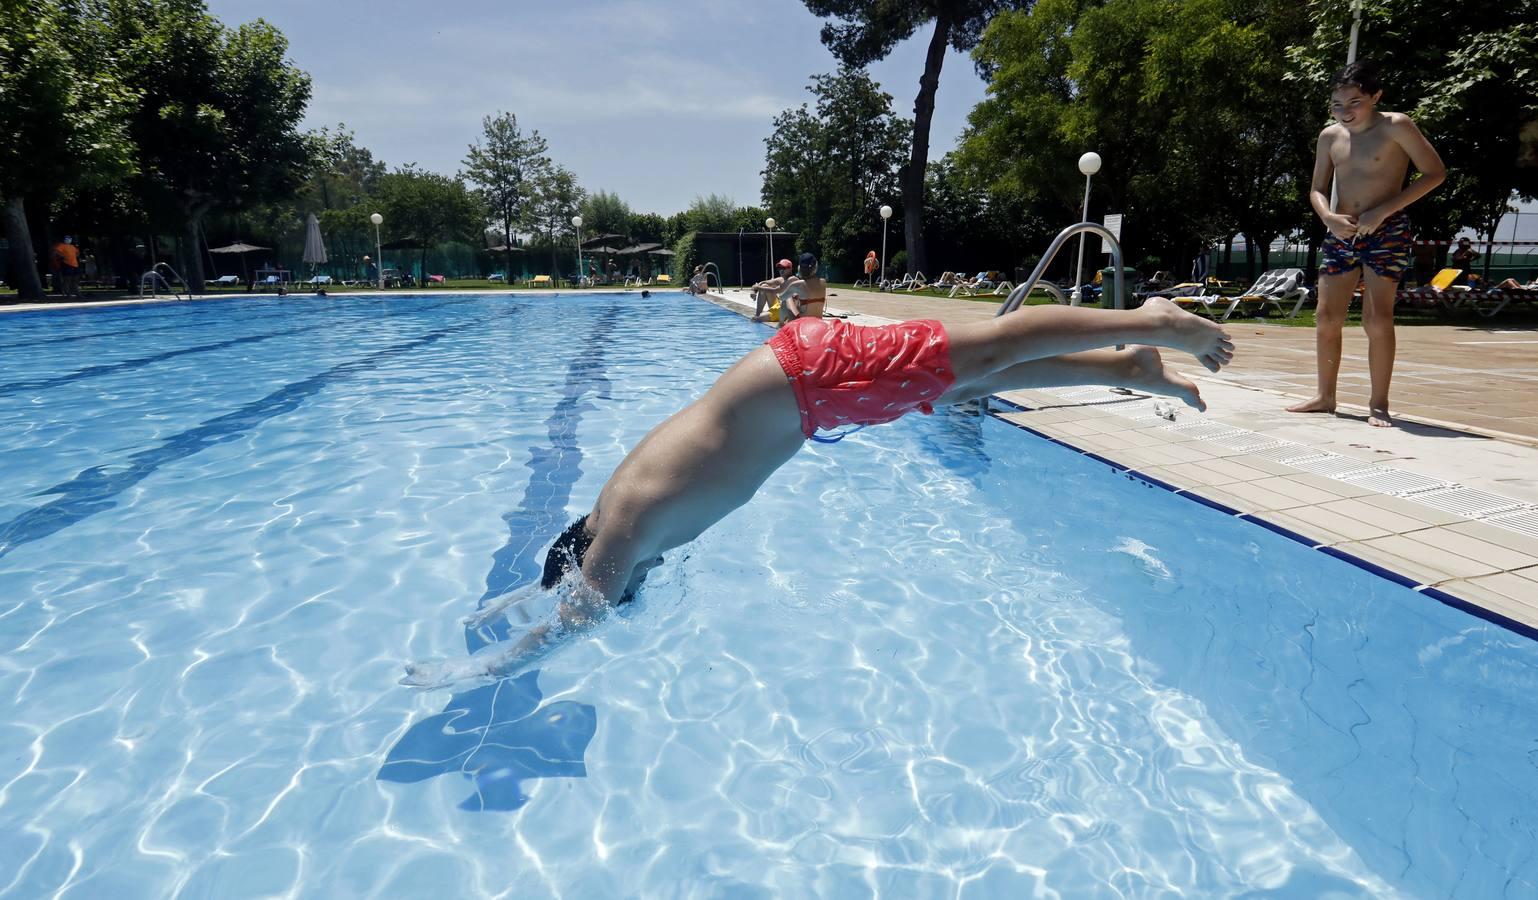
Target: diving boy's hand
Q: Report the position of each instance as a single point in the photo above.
(428, 676)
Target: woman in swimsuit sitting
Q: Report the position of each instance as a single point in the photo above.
(804, 295)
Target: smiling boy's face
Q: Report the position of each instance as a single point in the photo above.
(1351, 107)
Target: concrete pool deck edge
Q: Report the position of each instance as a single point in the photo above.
(1481, 565)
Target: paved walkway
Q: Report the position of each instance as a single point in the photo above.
(1449, 511)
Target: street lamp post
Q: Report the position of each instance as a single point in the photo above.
(1089, 164)
(769, 223)
(576, 222)
(378, 220)
(886, 213)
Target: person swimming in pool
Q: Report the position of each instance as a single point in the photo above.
(814, 375)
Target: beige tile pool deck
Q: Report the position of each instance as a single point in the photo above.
(1446, 504)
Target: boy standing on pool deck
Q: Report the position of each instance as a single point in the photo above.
(1368, 154)
(713, 455)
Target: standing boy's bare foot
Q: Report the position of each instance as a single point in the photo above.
(1203, 339)
(1316, 405)
(1146, 371)
(1378, 417)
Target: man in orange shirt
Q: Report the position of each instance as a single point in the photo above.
(66, 267)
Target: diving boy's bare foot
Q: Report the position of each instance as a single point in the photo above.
(1378, 417)
(1146, 371)
(1203, 339)
(1316, 405)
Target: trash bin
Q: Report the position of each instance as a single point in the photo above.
(1108, 286)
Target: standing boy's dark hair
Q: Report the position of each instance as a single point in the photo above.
(1362, 75)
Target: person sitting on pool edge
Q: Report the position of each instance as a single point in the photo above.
(804, 295)
(765, 292)
(713, 455)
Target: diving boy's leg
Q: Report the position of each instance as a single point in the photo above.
(981, 349)
(1140, 368)
(1378, 321)
(1334, 300)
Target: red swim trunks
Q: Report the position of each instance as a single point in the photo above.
(859, 375)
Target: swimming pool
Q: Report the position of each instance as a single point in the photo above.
(941, 658)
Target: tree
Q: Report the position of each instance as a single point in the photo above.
(1188, 105)
(217, 120)
(827, 168)
(605, 213)
(866, 32)
(558, 199)
(431, 208)
(1466, 74)
(507, 168)
(62, 110)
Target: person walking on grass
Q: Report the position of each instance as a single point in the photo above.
(1368, 154)
(814, 375)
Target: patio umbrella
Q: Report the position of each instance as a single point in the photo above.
(242, 249)
(314, 247)
(637, 248)
(597, 241)
(660, 252)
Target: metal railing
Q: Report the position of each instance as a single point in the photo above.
(712, 269)
(154, 277)
(1024, 288)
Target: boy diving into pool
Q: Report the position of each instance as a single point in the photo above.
(814, 374)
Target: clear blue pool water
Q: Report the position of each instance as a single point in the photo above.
(944, 658)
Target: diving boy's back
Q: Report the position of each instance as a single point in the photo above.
(714, 455)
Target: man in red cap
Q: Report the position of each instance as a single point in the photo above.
(765, 292)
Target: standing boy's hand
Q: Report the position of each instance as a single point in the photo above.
(1371, 220)
(1342, 226)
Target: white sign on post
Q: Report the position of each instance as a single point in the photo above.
(1113, 225)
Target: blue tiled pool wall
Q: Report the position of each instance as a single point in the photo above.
(1400, 720)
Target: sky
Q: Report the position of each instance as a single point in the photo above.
(657, 102)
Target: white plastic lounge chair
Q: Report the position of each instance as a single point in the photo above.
(1273, 288)
(226, 280)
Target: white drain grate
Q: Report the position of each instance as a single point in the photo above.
(1206, 431)
(1332, 465)
(1247, 442)
(1524, 521)
(1467, 502)
(1392, 481)
(1290, 454)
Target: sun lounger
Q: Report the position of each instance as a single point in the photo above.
(1273, 288)
(664, 279)
(916, 282)
(226, 280)
(541, 281)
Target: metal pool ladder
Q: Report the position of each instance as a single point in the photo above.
(1024, 288)
(153, 276)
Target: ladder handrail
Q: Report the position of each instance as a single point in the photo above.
(1023, 290)
(713, 269)
(154, 273)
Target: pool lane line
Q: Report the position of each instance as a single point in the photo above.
(95, 489)
(268, 310)
(1428, 590)
(15, 387)
(554, 469)
(514, 744)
